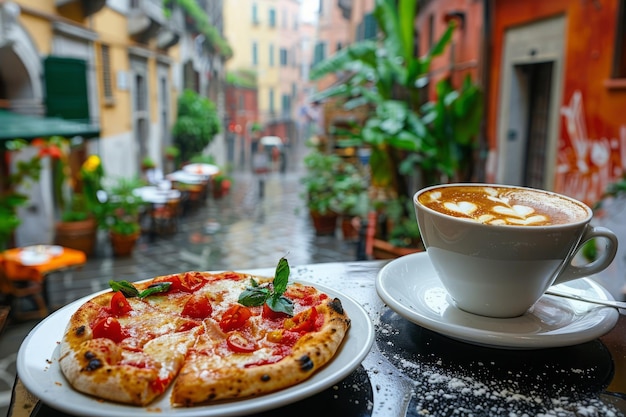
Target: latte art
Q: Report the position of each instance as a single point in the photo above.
(503, 205)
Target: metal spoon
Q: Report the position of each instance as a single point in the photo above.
(609, 303)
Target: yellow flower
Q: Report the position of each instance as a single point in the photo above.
(92, 163)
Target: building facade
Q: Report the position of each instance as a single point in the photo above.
(557, 95)
(116, 64)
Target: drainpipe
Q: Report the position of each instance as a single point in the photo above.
(483, 140)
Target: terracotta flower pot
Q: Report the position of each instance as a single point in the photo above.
(324, 224)
(123, 245)
(79, 235)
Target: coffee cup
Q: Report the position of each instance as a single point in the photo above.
(497, 248)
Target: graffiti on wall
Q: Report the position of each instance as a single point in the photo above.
(587, 165)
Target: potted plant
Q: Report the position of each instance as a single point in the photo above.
(402, 234)
(76, 195)
(123, 215)
(412, 144)
(147, 163)
(220, 184)
(318, 189)
(350, 200)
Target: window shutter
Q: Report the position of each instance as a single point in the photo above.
(66, 88)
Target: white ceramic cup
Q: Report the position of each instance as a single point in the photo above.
(501, 270)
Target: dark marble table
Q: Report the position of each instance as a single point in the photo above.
(412, 371)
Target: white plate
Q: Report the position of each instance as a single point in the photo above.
(38, 368)
(410, 286)
(201, 169)
(33, 258)
(51, 250)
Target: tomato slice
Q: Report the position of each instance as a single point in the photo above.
(189, 282)
(120, 305)
(197, 307)
(192, 281)
(239, 343)
(109, 328)
(270, 314)
(235, 317)
(303, 321)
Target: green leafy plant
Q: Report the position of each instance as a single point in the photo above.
(404, 231)
(350, 193)
(172, 152)
(322, 172)
(412, 143)
(124, 207)
(147, 163)
(202, 159)
(201, 22)
(10, 197)
(196, 125)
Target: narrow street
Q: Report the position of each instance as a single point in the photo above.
(236, 232)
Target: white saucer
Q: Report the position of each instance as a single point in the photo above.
(410, 286)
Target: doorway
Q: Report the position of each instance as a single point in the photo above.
(531, 91)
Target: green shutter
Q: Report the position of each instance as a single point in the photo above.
(66, 88)
(370, 27)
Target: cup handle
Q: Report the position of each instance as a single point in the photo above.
(571, 272)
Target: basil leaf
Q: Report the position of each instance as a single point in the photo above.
(155, 289)
(125, 287)
(281, 305)
(281, 278)
(254, 296)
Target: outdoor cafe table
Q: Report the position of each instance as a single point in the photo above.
(42, 261)
(409, 370)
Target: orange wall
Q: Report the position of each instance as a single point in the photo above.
(598, 122)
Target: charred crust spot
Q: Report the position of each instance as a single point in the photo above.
(306, 364)
(335, 304)
(80, 330)
(89, 355)
(93, 365)
(265, 378)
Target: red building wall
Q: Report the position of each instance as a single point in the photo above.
(592, 136)
(463, 54)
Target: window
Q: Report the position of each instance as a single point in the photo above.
(286, 105)
(271, 54)
(272, 16)
(619, 59)
(255, 14)
(283, 57)
(255, 54)
(271, 101)
(320, 53)
(107, 83)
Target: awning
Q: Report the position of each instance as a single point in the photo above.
(20, 126)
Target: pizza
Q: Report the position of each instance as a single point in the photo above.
(205, 337)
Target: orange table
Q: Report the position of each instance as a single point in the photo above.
(24, 276)
(15, 269)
